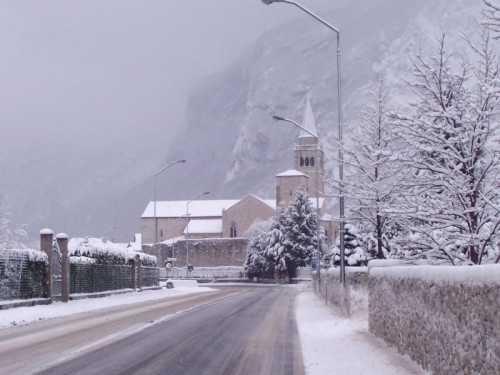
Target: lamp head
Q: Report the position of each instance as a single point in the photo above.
(278, 118)
(267, 2)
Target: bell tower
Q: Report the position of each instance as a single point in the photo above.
(308, 157)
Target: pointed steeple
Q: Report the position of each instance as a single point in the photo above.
(308, 121)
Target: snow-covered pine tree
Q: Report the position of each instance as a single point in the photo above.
(293, 241)
(353, 252)
(373, 171)
(277, 242)
(256, 265)
(302, 234)
(451, 132)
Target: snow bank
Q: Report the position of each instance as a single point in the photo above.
(181, 284)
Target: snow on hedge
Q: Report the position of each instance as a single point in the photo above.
(482, 273)
(106, 251)
(32, 255)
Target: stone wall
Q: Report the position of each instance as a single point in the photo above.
(447, 319)
(212, 252)
(349, 300)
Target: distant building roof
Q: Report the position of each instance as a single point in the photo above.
(270, 202)
(291, 172)
(197, 208)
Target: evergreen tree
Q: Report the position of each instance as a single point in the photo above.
(293, 241)
(256, 265)
(354, 254)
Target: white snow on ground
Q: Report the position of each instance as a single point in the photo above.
(334, 344)
(331, 343)
(23, 315)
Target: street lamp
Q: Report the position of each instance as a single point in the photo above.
(315, 136)
(339, 105)
(187, 230)
(154, 209)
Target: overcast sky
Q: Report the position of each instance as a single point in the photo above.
(115, 71)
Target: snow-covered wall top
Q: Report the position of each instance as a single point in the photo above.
(437, 274)
(95, 247)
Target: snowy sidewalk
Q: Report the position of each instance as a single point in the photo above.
(333, 344)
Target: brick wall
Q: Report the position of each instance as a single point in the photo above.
(447, 319)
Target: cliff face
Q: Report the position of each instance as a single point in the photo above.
(233, 146)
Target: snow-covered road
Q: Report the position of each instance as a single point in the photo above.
(331, 344)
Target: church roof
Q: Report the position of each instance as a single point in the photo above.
(197, 208)
(308, 122)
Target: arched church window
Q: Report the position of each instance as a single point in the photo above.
(301, 161)
(312, 162)
(307, 162)
(233, 231)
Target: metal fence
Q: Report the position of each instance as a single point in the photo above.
(93, 278)
(150, 276)
(19, 279)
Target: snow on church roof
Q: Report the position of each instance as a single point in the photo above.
(308, 122)
(291, 172)
(197, 208)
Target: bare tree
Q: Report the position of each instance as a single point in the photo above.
(491, 14)
(454, 154)
(373, 170)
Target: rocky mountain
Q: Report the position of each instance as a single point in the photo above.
(231, 144)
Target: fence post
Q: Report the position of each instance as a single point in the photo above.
(131, 262)
(138, 268)
(46, 238)
(62, 241)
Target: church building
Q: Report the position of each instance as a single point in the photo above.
(230, 219)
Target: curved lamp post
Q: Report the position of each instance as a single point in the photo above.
(187, 230)
(315, 136)
(339, 105)
(154, 209)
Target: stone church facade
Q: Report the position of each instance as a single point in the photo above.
(180, 224)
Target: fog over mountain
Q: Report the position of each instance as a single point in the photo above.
(83, 182)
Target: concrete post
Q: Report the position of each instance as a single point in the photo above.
(131, 262)
(46, 238)
(138, 268)
(62, 241)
